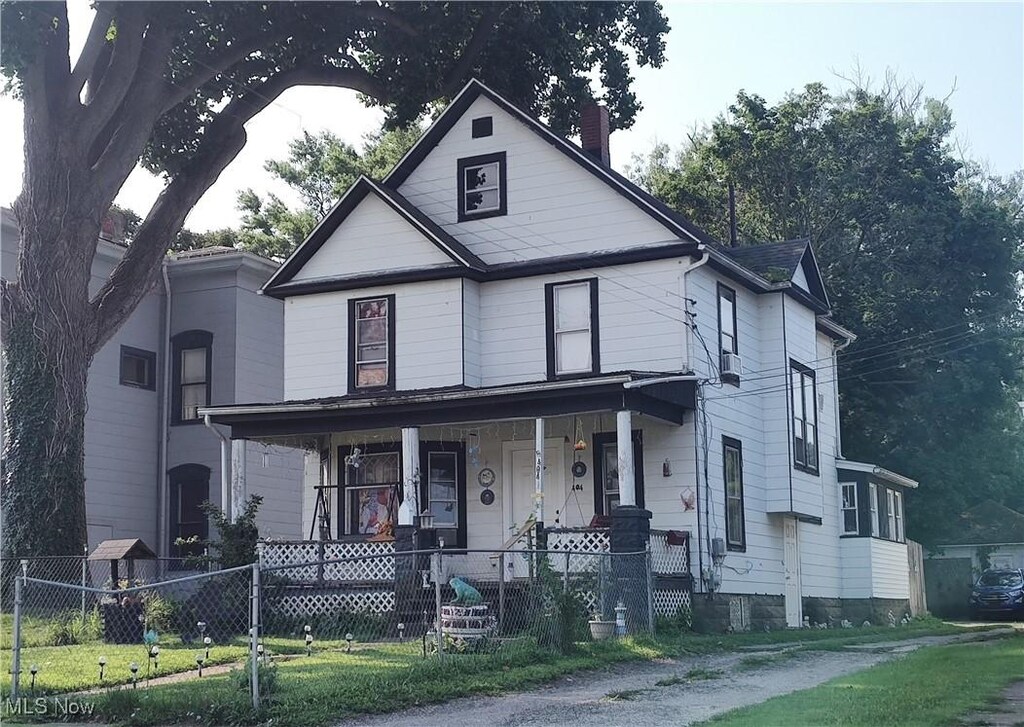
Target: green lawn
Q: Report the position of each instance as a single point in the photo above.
(379, 677)
(931, 686)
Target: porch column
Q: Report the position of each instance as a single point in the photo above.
(627, 472)
(237, 478)
(538, 482)
(410, 476)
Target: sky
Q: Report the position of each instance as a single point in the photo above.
(972, 52)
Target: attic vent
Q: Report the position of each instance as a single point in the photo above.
(484, 126)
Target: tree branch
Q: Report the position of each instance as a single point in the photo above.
(454, 79)
(95, 42)
(224, 138)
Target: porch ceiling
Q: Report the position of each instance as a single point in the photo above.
(662, 396)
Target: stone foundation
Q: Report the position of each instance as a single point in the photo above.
(725, 612)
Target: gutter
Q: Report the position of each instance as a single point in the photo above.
(659, 380)
(225, 466)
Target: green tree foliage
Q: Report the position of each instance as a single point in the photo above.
(320, 168)
(171, 85)
(922, 254)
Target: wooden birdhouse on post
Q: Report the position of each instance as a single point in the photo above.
(128, 550)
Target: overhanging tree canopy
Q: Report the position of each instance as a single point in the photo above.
(171, 85)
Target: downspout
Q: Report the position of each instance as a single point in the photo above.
(225, 467)
(687, 354)
(164, 410)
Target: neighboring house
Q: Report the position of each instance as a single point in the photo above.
(482, 331)
(149, 460)
(988, 535)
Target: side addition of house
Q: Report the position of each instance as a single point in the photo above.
(506, 337)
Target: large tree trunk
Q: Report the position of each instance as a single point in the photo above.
(44, 432)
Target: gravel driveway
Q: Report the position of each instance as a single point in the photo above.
(627, 694)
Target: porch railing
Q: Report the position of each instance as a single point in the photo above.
(313, 552)
(590, 540)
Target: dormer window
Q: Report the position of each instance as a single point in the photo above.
(482, 187)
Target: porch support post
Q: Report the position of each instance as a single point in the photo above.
(538, 485)
(627, 471)
(410, 476)
(237, 477)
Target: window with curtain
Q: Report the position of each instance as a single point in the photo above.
(735, 525)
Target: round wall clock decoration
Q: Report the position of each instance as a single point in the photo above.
(579, 469)
(487, 497)
(485, 478)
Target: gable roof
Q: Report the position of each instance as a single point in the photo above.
(778, 262)
(655, 208)
(459, 254)
(988, 523)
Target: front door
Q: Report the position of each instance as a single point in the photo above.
(519, 489)
(791, 557)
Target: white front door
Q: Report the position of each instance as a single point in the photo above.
(519, 482)
(791, 558)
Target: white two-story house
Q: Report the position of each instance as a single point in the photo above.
(505, 332)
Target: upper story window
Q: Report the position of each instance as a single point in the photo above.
(805, 418)
(851, 519)
(193, 357)
(727, 335)
(372, 343)
(572, 331)
(482, 188)
(735, 524)
(138, 368)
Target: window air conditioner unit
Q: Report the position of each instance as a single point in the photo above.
(732, 365)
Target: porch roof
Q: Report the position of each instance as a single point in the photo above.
(660, 395)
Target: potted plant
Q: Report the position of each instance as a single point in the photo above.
(601, 630)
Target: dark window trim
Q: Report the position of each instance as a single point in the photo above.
(603, 438)
(180, 342)
(726, 291)
(805, 371)
(730, 443)
(549, 328)
(483, 126)
(149, 357)
(459, 449)
(190, 472)
(463, 164)
(390, 386)
(856, 510)
(344, 516)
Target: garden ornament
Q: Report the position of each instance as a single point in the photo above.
(465, 594)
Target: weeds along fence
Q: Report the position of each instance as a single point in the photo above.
(246, 636)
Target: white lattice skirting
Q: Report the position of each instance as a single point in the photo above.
(668, 601)
(304, 556)
(302, 605)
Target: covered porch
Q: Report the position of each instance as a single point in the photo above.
(478, 467)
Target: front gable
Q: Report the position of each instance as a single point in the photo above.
(807, 276)
(371, 230)
(557, 200)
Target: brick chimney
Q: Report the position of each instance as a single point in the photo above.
(594, 132)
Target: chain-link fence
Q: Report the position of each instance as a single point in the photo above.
(374, 621)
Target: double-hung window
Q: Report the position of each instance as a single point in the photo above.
(572, 334)
(898, 534)
(873, 502)
(851, 524)
(805, 418)
(735, 526)
(481, 183)
(193, 355)
(372, 343)
(890, 512)
(138, 368)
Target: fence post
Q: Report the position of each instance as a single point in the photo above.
(85, 574)
(19, 584)
(435, 567)
(501, 592)
(254, 631)
(649, 563)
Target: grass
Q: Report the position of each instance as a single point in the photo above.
(376, 678)
(760, 661)
(693, 675)
(932, 686)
